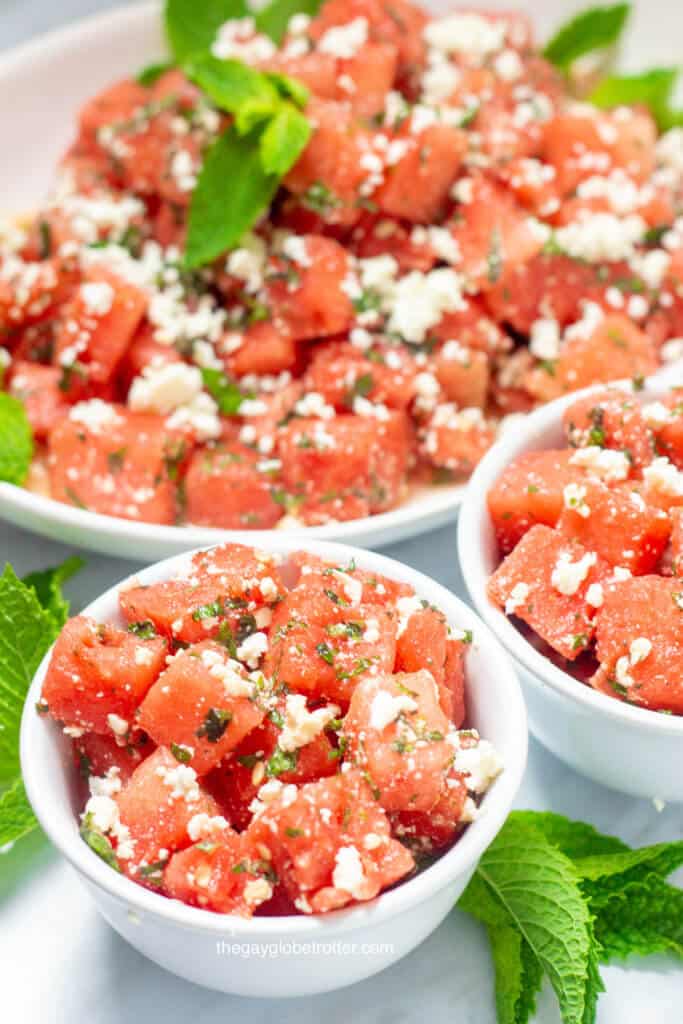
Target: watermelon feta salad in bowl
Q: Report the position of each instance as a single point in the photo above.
(272, 746)
(571, 546)
(299, 274)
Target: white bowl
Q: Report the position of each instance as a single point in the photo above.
(627, 748)
(197, 944)
(83, 58)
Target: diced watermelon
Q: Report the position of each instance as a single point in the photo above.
(231, 486)
(203, 703)
(530, 491)
(396, 732)
(98, 675)
(416, 187)
(618, 524)
(38, 388)
(306, 297)
(545, 583)
(610, 419)
(223, 873)
(640, 642)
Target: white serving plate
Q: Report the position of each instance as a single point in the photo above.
(183, 939)
(42, 86)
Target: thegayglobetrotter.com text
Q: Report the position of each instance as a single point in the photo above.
(286, 948)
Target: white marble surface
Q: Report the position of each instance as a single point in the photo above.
(61, 962)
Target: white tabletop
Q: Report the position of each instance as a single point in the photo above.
(61, 961)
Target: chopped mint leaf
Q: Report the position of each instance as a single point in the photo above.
(225, 392)
(591, 30)
(214, 725)
(232, 191)
(274, 18)
(151, 73)
(16, 440)
(192, 27)
(98, 843)
(281, 761)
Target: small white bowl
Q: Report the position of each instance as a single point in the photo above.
(289, 956)
(630, 749)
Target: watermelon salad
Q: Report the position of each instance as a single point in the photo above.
(456, 240)
(592, 542)
(269, 735)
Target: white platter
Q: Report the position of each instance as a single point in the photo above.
(42, 86)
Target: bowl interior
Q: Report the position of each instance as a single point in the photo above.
(495, 708)
(479, 554)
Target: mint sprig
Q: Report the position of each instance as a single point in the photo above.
(192, 26)
(16, 440)
(557, 897)
(273, 20)
(32, 612)
(588, 32)
(652, 89)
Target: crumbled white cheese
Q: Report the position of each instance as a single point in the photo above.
(348, 874)
(344, 41)
(252, 649)
(516, 598)
(605, 463)
(386, 708)
(481, 764)
(545, 338)
(602, 236)
(119, 726)
(470, 34)
(574, 498)
(567, 576)
(302, 726)
(201, 826)
(96, 415)
(663, 476)
(182, 781)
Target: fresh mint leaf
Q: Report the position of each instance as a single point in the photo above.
(16, 815)
(522, 875)
(26, 632)
(631, 865)
(191, 25)
(518, 975)
(98, 843)
(574, 838)
(16, 440)
(225, 392)
(232, 191)
(274, 19)
(591, 30)
(641, 918)
(149, 75)
(231, 84)
(289, 88)
(284, 139)
(652, 89)
(48, 587)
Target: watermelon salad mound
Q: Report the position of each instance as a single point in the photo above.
(214, 322)
(592, 542)
(269, 735)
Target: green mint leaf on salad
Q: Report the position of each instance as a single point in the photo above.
(289, 88)
(283, 140)
(594, 29)
(652, 89)
(191, 26)
(273, 20)
(233, 190)
(223, 390)
(151, 73)
(231, 84)
(16, 440)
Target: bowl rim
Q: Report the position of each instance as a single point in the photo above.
(540, 670)
(61, 826)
